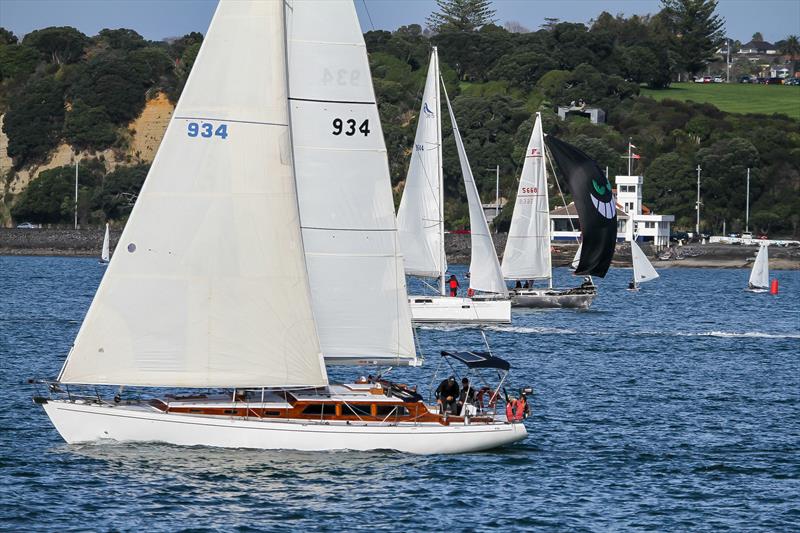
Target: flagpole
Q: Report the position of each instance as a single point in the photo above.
(630, 139)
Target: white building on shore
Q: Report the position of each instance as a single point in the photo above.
(633, 217)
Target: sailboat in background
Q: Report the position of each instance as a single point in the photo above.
(420, 219)
(223, 299)
(643, 270)
(105, 254)
(527, 255)
(759, 276)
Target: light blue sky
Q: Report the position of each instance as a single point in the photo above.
(157, 19)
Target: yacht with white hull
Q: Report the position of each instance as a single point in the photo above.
(223, 301)
(420, 220)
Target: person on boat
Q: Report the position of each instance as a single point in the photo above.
(510, 402)
(453, 284)
(521, 409)
(518, 285)
(447, 395)
(466, 395)
(631, 285)
(527, 285)
(587, 283)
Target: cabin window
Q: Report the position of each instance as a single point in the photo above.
(319, 409)
(270, 413)
(354, 409)
(195, 410)
(230, 412)
(382, 411)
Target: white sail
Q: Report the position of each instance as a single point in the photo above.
(105, 254)
(349, 228)
(419, 218)
(527, 254)
(642, 269)
(577, 259)
(759, 276)
(209, 286)
(484, 268)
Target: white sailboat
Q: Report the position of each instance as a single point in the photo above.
(527, 256)
(420, 220)
(759, 276)
(105, 254)
(223, 299)
(643, 270)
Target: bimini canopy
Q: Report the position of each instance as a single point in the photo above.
(479, 360)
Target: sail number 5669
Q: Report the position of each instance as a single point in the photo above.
(348, 127)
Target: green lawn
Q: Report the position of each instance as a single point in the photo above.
(735, 97)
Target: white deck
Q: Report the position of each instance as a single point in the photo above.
(444, 309)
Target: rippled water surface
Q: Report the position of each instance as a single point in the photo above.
(675, 408)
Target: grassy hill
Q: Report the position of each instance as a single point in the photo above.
(735, 97)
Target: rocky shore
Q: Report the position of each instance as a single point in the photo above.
(87, 242)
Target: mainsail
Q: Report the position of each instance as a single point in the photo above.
(209, 286)
(353, 256)
(642, 268)
(759, 276)
(105, 254)
(484, 268)
(527, 254)
(419, 218)
(595, 203)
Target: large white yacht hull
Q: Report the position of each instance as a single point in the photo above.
(440, 309)
(550, 299)
(79, 421)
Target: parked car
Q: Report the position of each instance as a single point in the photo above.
(707, 79)
(774, 81)
(791, 81)
(745, 79)
(27, 225)
(718, 79)
(761, 81)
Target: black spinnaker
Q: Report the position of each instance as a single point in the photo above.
(595, 203)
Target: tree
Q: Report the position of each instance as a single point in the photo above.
(523, 69)
(121, 39)
(34, 120)
(59, 44)
(119, 190)
(697, 32)
(757, 36)
(791, 48)
(89, 127)
(7, 36)
(461, 15)
(44, 199)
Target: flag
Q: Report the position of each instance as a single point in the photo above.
(595, 203)
(631, 145)
(636, 156)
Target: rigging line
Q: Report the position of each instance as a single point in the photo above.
(368, 15)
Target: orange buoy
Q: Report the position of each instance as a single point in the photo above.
(773, 288)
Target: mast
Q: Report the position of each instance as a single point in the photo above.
(747, 208)
(546, 192)
(440, 169)
(697, 224)
(76, 193)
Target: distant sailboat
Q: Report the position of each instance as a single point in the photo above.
(642, 268)
(577, 259)
(105, 254)
(759, 276)
(223, 300)
(420, 221)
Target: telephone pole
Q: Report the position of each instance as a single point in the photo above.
(76, 192)
(747, 208)
(697, 224)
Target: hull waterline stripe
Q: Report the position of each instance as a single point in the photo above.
(502, 427)
(233, 120)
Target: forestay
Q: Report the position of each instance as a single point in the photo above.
(208, 287)
(484, 268)
(527, 254)
(642, 268)
(419, 217)
(759, 276)
(346, 207)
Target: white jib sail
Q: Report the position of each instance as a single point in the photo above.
(527, 254)
(642, 268)
(209, 286)
(577, 259)
(419, 218)
(484, 268)
(346, 206)
(105, 254)
(759, 276)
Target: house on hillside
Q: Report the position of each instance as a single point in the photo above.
(756, 48)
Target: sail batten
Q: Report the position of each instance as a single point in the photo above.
(208, 287)
(527, 253)
(350, 238)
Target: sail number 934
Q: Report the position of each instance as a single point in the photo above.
(348, 127)
(207, 130)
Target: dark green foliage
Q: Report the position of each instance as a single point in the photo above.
(461, 15)
(49, 198)
(121, 39)
(522, 69)
(7, 37)
(117, 194)
(696, 32)
(58, 44)
(17, 62)
(34, 120)
(88, 127)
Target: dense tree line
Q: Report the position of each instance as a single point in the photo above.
(58, 84)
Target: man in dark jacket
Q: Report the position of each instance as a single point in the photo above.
(447, 395)
(466, 395)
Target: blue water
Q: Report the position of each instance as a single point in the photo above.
(675, 408)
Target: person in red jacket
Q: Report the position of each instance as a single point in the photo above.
(453, 284)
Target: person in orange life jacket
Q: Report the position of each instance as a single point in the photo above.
(447, 395)
(453, 284)
(510, 408)
(516, 410)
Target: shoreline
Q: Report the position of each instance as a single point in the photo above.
(87, 243)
